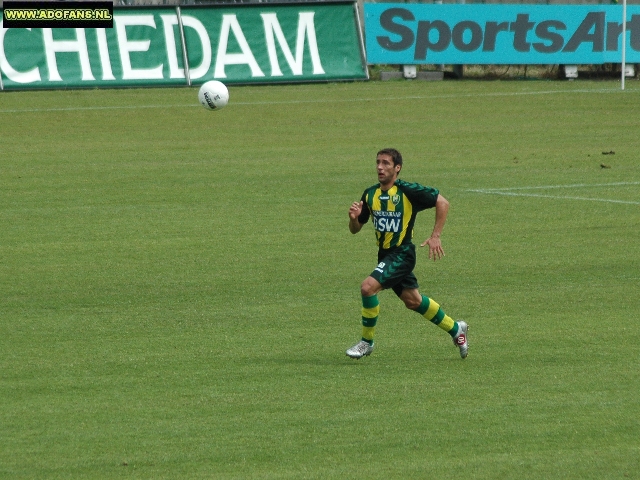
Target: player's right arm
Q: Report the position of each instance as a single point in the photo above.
(354, 212)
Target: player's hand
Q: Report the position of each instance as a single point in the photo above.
(355, 210)
(435, 248)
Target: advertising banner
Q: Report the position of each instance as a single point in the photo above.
(499, 34)
(237, 44)
(277, 43)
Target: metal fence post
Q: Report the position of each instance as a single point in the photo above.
(185, 59)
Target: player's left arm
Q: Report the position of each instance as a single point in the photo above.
(435, 245)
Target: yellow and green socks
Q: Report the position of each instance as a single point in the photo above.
(430, 310)
(370, 311)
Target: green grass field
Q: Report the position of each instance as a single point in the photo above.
(178, 287)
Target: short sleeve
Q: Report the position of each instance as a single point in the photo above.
(420, 196)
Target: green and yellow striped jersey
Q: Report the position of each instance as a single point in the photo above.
(394, 211)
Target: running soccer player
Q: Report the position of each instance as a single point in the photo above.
(394, 204)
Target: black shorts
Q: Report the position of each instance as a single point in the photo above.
(395, 268)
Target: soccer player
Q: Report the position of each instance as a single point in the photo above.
(393, 205)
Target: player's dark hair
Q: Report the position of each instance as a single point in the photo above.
(393, 153)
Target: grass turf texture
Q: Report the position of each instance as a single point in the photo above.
(178, 287)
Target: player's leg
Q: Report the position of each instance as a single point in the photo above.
(392, 268)
(430, 309)
(370, 309)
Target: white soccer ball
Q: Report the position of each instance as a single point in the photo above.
(213, 95)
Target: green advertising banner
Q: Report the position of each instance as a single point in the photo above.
(147, 46)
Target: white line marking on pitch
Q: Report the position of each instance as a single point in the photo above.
(346, 100)
(76, 109)
(510, 192)
(573, 185)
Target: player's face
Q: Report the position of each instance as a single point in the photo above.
(387, 171)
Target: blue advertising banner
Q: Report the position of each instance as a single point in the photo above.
(499, 34)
